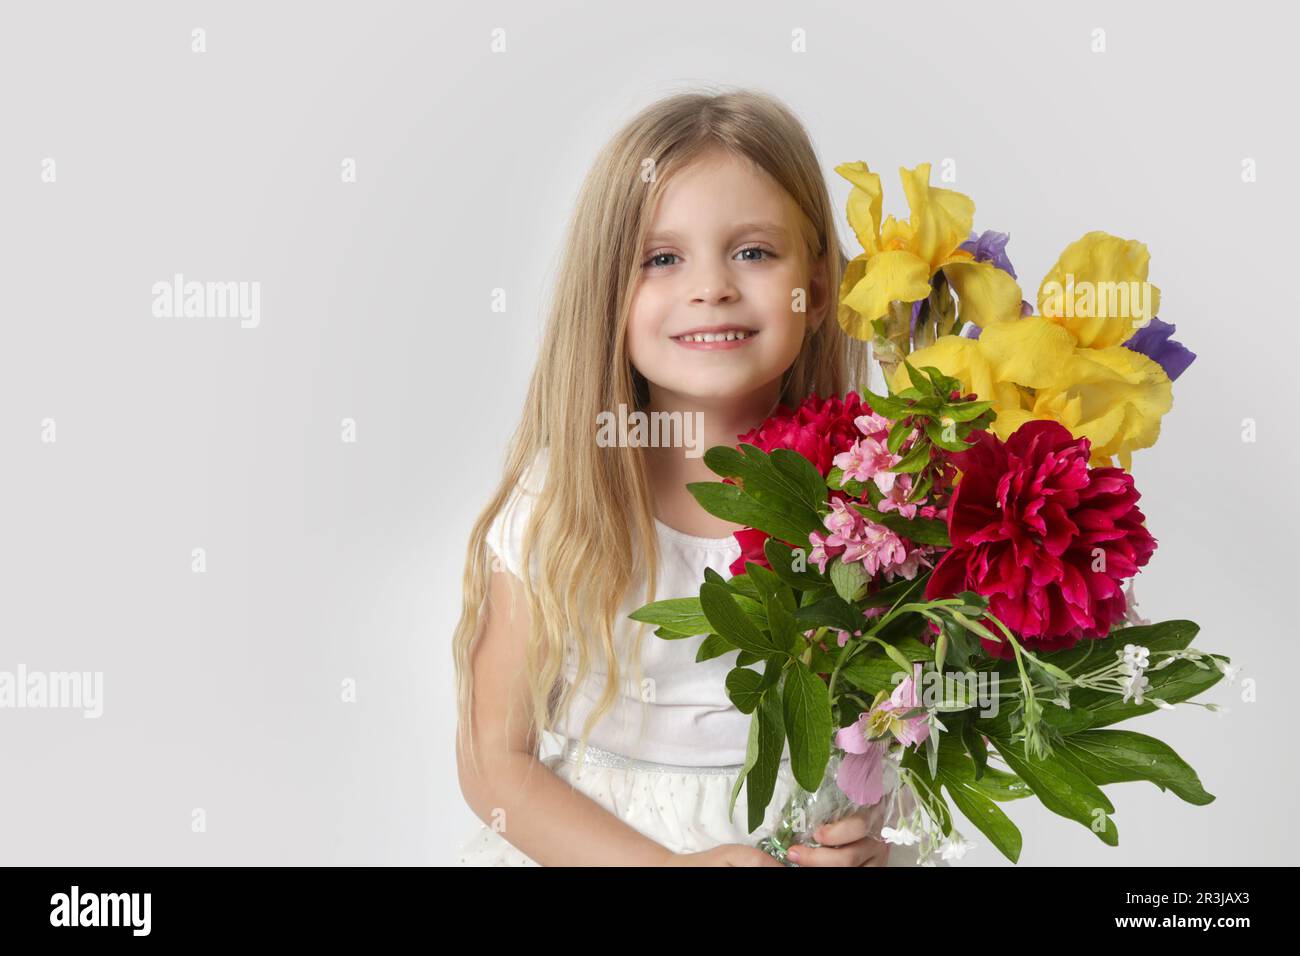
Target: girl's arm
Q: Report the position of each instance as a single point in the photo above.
(544, 816)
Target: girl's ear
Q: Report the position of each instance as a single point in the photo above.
(818, 294)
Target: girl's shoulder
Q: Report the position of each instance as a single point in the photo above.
(682, 556)
(505, 536)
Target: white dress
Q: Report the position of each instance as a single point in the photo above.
(665, 757)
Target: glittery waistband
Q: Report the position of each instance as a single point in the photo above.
(597, 757)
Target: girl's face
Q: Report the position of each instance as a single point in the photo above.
(724, 254)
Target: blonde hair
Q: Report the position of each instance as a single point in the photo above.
(583, 369)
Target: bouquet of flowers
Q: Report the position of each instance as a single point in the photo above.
(934, 595)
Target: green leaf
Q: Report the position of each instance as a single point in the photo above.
(772, 670)
(920, 489)
(849, 578)
(986, 815)
(780, 616)
(743, 687)
(1001, 786)
(715, 645)
(751, 760)
(781, 557)
(889, 407)
(965, 411)
(1116, 756)
(807, 708)
(898, 433)
(786, 488)
(914, 460)
(919, 381)
(934, 431)
(744, 585)
(726, 618)
(731, 504)
(682, 616)
(831, 611)
(761, 780)
(975, 746)
(944, 385)
(1062, 788)
(799, 474)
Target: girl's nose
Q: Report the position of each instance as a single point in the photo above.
(715, 288)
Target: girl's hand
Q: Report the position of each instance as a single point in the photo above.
(851, 841)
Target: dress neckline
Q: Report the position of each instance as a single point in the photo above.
(715, 544)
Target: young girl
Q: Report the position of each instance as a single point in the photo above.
(701, 277)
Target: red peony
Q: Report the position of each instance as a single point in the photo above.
(819, 429)
(1030, 523)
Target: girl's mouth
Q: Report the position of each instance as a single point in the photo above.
(715, 341)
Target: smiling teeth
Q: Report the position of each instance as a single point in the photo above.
(714, 336)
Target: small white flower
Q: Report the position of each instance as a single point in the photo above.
(1134, 686)
(900, 837)
(1137, 656)
(955, 849)
(1163, 705)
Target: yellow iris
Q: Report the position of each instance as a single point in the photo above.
(900, 259)
(1033, 368)
(1067, 363)
(1098, 289)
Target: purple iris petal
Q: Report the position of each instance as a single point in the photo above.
(990, 247)
(1153, 340)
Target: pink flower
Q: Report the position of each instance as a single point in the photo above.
(896, 498)
(873, 425)
(912, 730)
(866, 741)
(868, 460)
(876, 547)
(862, 772)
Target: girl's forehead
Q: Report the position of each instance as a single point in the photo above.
(727, 192)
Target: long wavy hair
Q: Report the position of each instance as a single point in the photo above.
(583, 369)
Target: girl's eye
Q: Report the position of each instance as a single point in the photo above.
(656, 261)
(653, 263)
